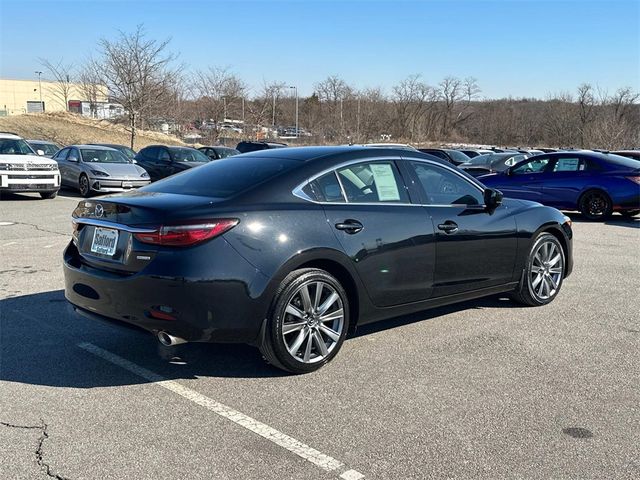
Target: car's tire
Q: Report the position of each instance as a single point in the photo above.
(595, 205)
(298, 308)
(543, 273)
(629, 213)
(48, 195)
(83, 186)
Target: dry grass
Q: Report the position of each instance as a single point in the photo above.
(68, 129)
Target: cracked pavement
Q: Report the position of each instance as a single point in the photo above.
(479, 390)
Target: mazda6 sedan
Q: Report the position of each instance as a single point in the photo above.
(291, 249)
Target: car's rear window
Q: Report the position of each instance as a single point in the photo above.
(623, 161)
(223, 178)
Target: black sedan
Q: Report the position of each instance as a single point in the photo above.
(454, 157)
(491, 163)
(291, 249)
(161, 161)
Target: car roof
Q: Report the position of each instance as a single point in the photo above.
(305, 154)
(11, 135)
(110, 145)
(91, 146)
(41, 141)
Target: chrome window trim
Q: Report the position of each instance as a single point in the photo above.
(117, 226)
(297, 191)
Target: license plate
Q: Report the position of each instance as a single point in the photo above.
(127, 185)
(104, 241)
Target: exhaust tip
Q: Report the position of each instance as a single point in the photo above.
(169, 340)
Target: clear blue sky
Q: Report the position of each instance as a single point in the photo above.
(513, 47)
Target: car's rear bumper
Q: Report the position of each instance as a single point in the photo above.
(224, 305)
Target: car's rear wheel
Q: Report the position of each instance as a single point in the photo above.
(544, 272)
(308, 322)
(83, 186)
(48, 195)
(596, 205)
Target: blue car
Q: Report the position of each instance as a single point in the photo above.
(596, 184)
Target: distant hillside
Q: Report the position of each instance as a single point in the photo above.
(68, 128)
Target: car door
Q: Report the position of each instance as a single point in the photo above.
(61, 159)
(566, 178)
(74, 167)
(475, 247)
(525, 179)
(148, 159)
(389, 240)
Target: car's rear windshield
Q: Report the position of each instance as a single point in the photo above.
(623, 161)
(223, 178)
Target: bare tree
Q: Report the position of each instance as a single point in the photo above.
(587, 111)
(90, 85)
(62, 74)
(137, 71)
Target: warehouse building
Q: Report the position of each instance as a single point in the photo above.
(31, 96)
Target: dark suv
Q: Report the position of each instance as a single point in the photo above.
(244, 147)
(160, 161)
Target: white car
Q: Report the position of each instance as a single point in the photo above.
(23, 170)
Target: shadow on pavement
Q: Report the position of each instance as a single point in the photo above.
(40, 336)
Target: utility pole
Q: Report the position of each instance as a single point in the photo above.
(297, 128)
(40, 90)
(273, 119)
(358, 120)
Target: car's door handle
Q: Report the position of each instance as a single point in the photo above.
(350, 226)
(448, 227)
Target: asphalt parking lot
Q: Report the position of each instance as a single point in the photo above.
(479, 390)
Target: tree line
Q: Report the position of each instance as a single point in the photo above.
(144, 76)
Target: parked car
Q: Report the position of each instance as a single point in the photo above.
(548, 150)
(530, 151)
(491, 162)
(22, 170)
(96, 169)
(596, 184)
(452, 156)
(289, 250)
(635, 154)
(472, 153)
(126, 151)
(48, 149)
(217, 152)
(161, 161)
(245, 147)
(401, 146)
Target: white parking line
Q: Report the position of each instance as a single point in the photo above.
(7, 244)
(285, 441)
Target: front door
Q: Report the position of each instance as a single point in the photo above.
(525, 180)
(475, 248)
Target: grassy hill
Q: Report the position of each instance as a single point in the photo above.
(68, 128)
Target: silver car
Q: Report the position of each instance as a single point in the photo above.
(95, 169)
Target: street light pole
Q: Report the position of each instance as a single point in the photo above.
(297, 128)
(40, 90)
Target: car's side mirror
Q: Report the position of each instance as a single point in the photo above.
(72, 159)
(492, 198)
(40, 152)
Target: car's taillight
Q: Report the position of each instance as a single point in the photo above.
(635, 179)
(187, 234)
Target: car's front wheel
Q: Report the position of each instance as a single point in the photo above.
(308, 322)
(48, 195)
(544, 272)
(83, 186)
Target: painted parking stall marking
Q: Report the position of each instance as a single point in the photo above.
(285, 441)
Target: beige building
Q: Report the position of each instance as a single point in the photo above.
(23, 96)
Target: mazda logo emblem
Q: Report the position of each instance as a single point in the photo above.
(99, 211)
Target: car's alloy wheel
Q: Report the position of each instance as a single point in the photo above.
(595, 205)
(84, 185)
(313, 322)
(308, 323)
(544, 272)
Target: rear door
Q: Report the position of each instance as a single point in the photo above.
(568, 175)
(389, 239)
(475, 248)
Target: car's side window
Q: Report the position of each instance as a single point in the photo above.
(513, 160)
(74, 153)
(535, 165)
(373, 182)
(163, 155)
(569, 164)
(62, 154)
(443, 187)
(327, 189)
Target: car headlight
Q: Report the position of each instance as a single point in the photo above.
(99, 173)
(144, 175)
